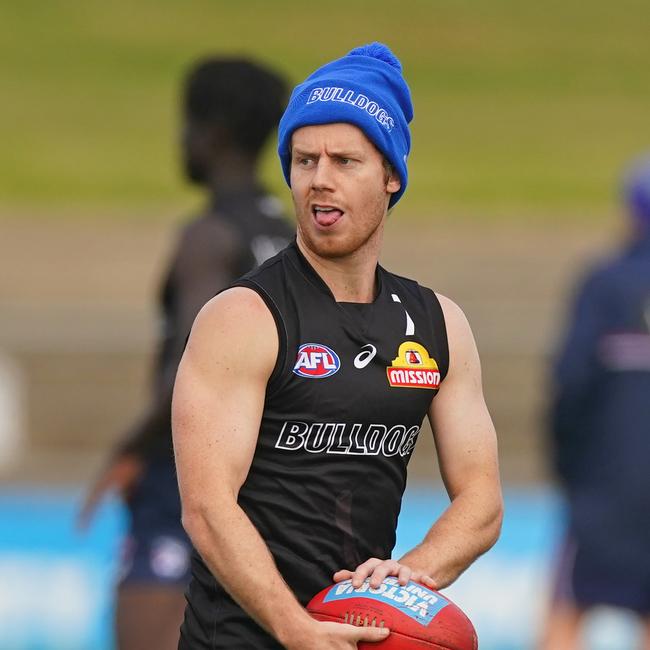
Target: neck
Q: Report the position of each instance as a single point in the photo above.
(350, 278)
(233, 171)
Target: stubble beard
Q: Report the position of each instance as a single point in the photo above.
(338, 246)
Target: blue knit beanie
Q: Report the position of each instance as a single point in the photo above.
(365, 88)
(636, 190)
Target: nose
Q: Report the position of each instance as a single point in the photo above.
(323, 177)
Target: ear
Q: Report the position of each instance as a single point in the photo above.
(393, 184)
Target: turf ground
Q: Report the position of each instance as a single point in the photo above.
(521, 107)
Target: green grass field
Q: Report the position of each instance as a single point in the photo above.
(522, 108)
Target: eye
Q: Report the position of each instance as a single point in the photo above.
(345, 161)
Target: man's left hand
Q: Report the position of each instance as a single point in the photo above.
(376, 570)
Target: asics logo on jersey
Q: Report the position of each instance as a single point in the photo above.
(316, 361)
(364, 357)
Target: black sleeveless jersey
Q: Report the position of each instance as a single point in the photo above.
(344, 405)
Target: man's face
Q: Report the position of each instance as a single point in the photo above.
(340, 188)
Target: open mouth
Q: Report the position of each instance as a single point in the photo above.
(326, 215)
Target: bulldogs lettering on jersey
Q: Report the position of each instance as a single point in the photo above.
(341, 438)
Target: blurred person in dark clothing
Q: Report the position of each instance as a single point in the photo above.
(600, 425)
(230, 107)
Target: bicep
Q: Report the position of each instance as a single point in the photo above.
(464, 433)
(219, 394)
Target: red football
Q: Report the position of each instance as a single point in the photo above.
(419, 618)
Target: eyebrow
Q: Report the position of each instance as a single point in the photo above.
(332, 154)
(301, 152)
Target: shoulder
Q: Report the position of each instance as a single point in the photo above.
(238, 306)
(456, 322)
(599, 280)
(462, 346)
(612, 270)
(454, 316)
(235, 328)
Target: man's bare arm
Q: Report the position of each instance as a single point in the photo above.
(216, 413)
(467, 452)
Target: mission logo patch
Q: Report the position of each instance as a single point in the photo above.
(413, 368)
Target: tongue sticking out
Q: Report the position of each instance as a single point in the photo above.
(327, 218)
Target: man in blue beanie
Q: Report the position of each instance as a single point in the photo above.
(599, 428)
(303, 387)
(366, 89)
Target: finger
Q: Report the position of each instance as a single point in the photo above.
(372, 634)
(127, 471)
(88, 508)
(381, 571)
(428, 581)
(424, 579)
(93, 497)
(343, 574)
(404, 575)
(371, 631)
(364, 570)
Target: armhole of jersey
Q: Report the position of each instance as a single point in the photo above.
(279, 324)
(440, 330)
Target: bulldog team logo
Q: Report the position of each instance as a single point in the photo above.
(413, 368)
(316, 361)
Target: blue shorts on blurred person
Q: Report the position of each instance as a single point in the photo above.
(157, 549)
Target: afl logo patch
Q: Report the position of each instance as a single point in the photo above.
(316, 361)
